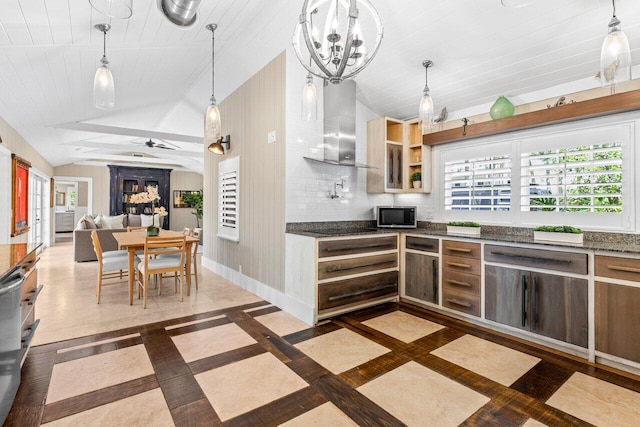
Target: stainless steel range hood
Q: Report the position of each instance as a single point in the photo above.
(340, 125)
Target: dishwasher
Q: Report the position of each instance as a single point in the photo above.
(10, 338)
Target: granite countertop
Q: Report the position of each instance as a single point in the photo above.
(12, 254)
(596, 241)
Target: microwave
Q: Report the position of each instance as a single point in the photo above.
(396, 216)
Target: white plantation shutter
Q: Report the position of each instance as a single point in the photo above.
(229, 199)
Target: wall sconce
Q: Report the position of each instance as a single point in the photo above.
(217, 147)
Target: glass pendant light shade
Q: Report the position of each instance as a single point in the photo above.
(104, 92)
(615, 57)
(117, 9)
(212, 125)
(309, 100)
(425, 113)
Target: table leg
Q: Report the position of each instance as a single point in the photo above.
(132, 272)
(188, 267)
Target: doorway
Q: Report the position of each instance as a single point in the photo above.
(39, 209)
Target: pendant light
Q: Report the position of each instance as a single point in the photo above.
(615, 57)
(212, 126)
(425, 113)
(104, 93)
(309, 100)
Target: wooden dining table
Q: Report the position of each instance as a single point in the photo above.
(134, 241)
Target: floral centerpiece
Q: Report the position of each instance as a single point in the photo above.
(150, 196)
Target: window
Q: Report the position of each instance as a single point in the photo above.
(585, 178)
(481, 184)
(228, 199)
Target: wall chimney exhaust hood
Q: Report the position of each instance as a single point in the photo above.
(340, 125)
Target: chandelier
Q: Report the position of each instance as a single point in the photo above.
(337, 49)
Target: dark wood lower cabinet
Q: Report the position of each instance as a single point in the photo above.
(357, 290)
(547, 304)
(421, 277)
(618, 320)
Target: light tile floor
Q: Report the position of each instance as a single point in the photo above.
(326, 414)
(282, 323)
(239, 387)
(418, 396)
(403, 326)
(488, 359)
(211, 341)
(341, 350)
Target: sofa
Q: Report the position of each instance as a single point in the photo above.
(83, 246)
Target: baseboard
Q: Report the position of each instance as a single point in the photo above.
(291, 305)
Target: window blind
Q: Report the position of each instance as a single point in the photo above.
(228, 199)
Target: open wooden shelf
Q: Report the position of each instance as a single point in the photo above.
(613, 104)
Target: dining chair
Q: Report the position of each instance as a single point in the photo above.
(197, 233)
(111, 264)
(190, 232)
(136, 227)
(161, 255)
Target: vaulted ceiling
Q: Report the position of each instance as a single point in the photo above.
(49, 52)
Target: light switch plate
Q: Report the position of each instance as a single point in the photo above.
(271, 137)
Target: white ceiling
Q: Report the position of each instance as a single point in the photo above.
(49, 52)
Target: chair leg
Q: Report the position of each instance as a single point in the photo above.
(195, 269)
(181, 285)
(99, 284)
(144, 291)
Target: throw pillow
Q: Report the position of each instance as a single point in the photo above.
(80, 225)
(89, 223)
(112, 222)
(147, 220)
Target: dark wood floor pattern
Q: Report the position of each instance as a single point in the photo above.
(509, 406)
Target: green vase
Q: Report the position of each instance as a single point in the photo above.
(501, 108)
(152, 231)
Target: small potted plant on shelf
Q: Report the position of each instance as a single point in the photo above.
(558, 233)
(416, 179)
(466, 228)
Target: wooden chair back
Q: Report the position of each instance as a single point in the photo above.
(96, 245)
(136, 228)
(155, 246)
(197, 233)
(187, 231)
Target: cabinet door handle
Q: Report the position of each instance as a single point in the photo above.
(353, 267)
(459, 283)
(420, 245)
(457, 264)
(623, 268)
(524, 301)
(534, 258)
(434, 265)
(457, 302)
(391, 171)
(360, 246)
(535, 303)
(462, 250)
(399, 150)
(31, 299)
(362, 292)
(26, 340)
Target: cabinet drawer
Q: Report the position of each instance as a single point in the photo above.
(423, 244)
(461, 249)
(30, 283)
(356, 290)
(618, 268)
(461, 281)
(464, 265)
(540, 258)
(331, 248)
(461, 301)
(344, 267)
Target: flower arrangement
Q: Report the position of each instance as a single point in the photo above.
(150, 196)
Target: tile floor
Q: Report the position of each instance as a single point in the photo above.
(250, 364)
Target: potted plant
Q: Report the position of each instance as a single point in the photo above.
(193, 199)
(416, 179)
(558, 233)
(466, 228)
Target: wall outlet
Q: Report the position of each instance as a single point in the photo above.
(429, 214)
(271, 137)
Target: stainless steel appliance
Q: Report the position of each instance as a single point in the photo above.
(10, 338)
(396, 216)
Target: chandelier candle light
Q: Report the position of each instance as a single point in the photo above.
(212, 125)
(343, 50)
(615, 57)
(150, 196)
(104, 93)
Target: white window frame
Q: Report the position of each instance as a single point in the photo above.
(623, 125)
(229, 170)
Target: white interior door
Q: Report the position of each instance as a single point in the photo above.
(38, 209)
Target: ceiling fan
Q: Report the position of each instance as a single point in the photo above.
(152, 144)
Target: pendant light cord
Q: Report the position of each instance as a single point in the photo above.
(104, 44)
(614, 8)
(213, 64)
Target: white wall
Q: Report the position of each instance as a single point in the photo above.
(308, 183)
(5, 195)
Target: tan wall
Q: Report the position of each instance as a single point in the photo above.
(21, 148)
(82, 199)
(248, 114)
(100, 175)
(183, 217)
